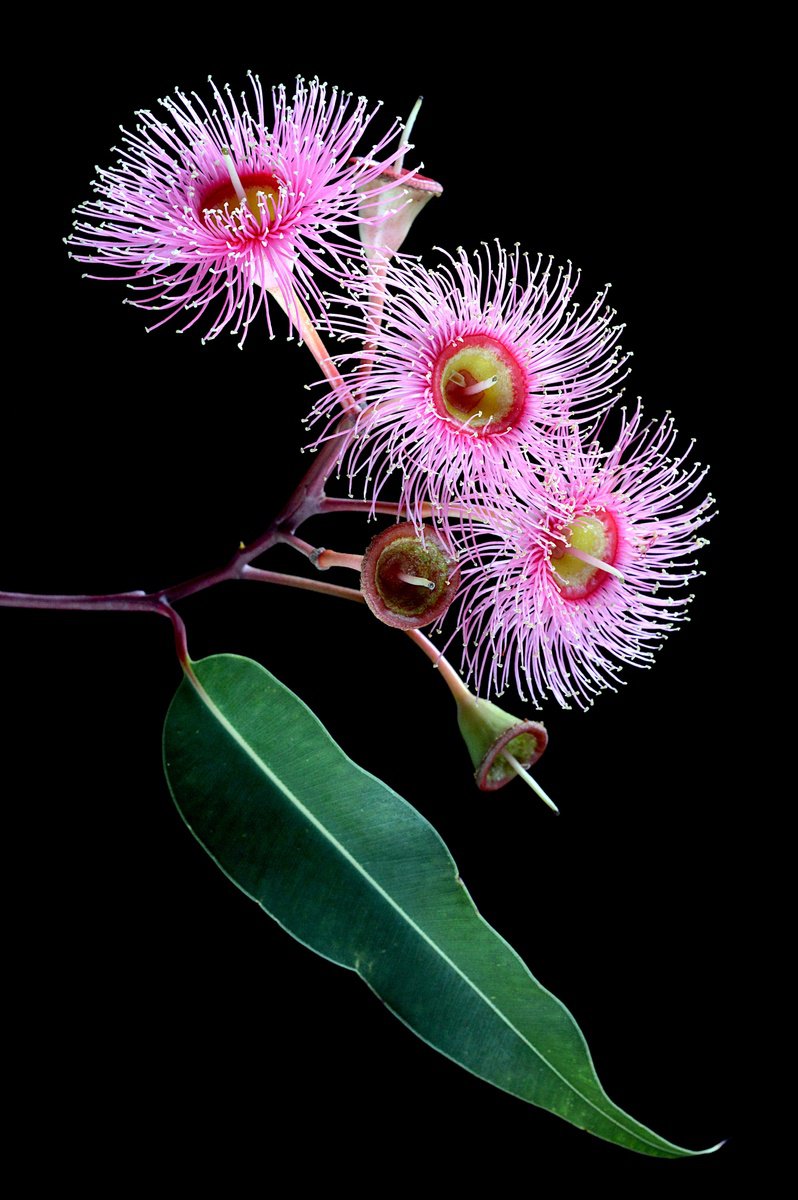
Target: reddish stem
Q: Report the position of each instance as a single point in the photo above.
(447, 671)
(306, 501)
(308, 497)
(181, 642)
(334, 504)
(119, 601)
(332, 558)
(322, 558)
(297, 581)
(297, 315)
(301, 545)
(376, 306)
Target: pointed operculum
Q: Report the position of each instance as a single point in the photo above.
(488, 731)
(408, 581)
(386, 218)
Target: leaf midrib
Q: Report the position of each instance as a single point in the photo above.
(326, 833)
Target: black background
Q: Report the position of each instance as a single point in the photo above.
(159, 1010)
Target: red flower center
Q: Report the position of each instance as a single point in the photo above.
(578, 551)
(262, 191)
(478, 382)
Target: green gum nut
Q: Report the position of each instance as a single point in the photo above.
(488, 731)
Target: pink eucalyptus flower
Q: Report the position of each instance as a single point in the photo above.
(215, 205)
(477, 362)
(578, 578)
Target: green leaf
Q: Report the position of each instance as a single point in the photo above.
(353, 871)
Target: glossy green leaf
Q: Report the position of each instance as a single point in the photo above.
(353, 871)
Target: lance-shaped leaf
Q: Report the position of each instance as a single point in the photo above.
(353, 871)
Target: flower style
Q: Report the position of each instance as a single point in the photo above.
(477, 362)
(214, 205)
(576, 578)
